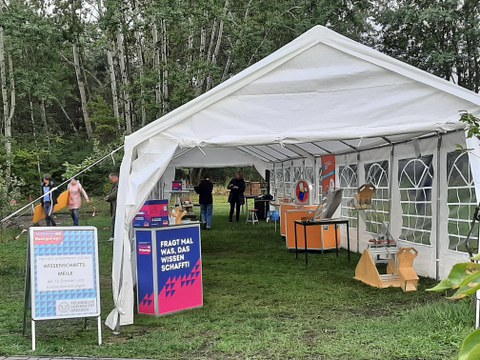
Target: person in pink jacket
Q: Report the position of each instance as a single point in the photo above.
(76, 191)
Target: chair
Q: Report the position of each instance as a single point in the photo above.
(252, 216)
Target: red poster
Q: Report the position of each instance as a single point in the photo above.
(328, 173)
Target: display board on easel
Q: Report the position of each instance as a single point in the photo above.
(63, 274)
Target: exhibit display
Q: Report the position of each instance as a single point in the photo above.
(169, 269)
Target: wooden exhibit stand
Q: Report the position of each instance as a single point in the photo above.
(400, 271)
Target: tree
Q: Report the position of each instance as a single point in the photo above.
(441, 37)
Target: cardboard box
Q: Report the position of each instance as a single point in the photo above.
(154, 213)
(177, 185)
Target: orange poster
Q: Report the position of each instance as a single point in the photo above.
(328, 173)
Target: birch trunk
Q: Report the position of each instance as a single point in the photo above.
(156, 67)
(216, 50)
(141, 70)
(32, 119)
(113, 88)
(3, 76)
(125, 81)
(81, 89)
(165, 104)
(111, 74)
(228, 63)
(199, 79)
(70, 120)
(8, 104)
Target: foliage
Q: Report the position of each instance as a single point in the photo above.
(473, 124)
(103, 121)
(9, 193)
(441, 37)
(464, 278)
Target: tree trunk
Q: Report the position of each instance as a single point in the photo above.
(111, 74)
(156, 67)
(32, 119)
(165, 104)
(113, 88)
(198, 84)
(81, 89)
(216, 50)
(141, 69)
(72, 124)
(8, 104)
(125, 81)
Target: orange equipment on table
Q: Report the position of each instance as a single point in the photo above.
(319, 237)
(286, 206)
(62, 202)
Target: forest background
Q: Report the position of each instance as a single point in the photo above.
(76, 76)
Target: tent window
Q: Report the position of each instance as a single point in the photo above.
(348, 182)
(415, 181)
(280, 187)
(287, 179)
(309, 174)
(461, 202)
(297, 173)
(378, 216)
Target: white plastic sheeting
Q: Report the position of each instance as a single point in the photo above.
(322, 93)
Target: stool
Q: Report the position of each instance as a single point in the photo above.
(252, 216)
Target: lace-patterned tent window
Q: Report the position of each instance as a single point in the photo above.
(287, 181)
(279, 180)
(415, 179)
(378, 216)
(461, 202)
(297, 174)
(348, 182)
(309, 174)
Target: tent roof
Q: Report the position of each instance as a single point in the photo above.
(320, 94)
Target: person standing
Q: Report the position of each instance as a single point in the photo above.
(236, 197)
(204, 189)
(49, 199)
(112, 199)
(75, 192)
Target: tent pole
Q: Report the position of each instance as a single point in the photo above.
(390, 187)
(437, 222)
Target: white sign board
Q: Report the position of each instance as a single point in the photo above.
(64, 272)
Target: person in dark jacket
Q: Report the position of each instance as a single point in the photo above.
(236, 197)
(112, 199)
(204, 189)
(49, 199)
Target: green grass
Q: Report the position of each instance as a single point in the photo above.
(259, 303)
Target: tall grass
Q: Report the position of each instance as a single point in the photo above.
(259, 303)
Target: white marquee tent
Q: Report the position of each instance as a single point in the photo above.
(385, 121)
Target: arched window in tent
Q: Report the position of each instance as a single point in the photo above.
(287, 179)
(415, 185)
(279, 180)
(348, 182)
(378, 216)
(297, 174)
(461, 202)
(309, 174)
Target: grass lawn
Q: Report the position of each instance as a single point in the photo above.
(259, 303)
